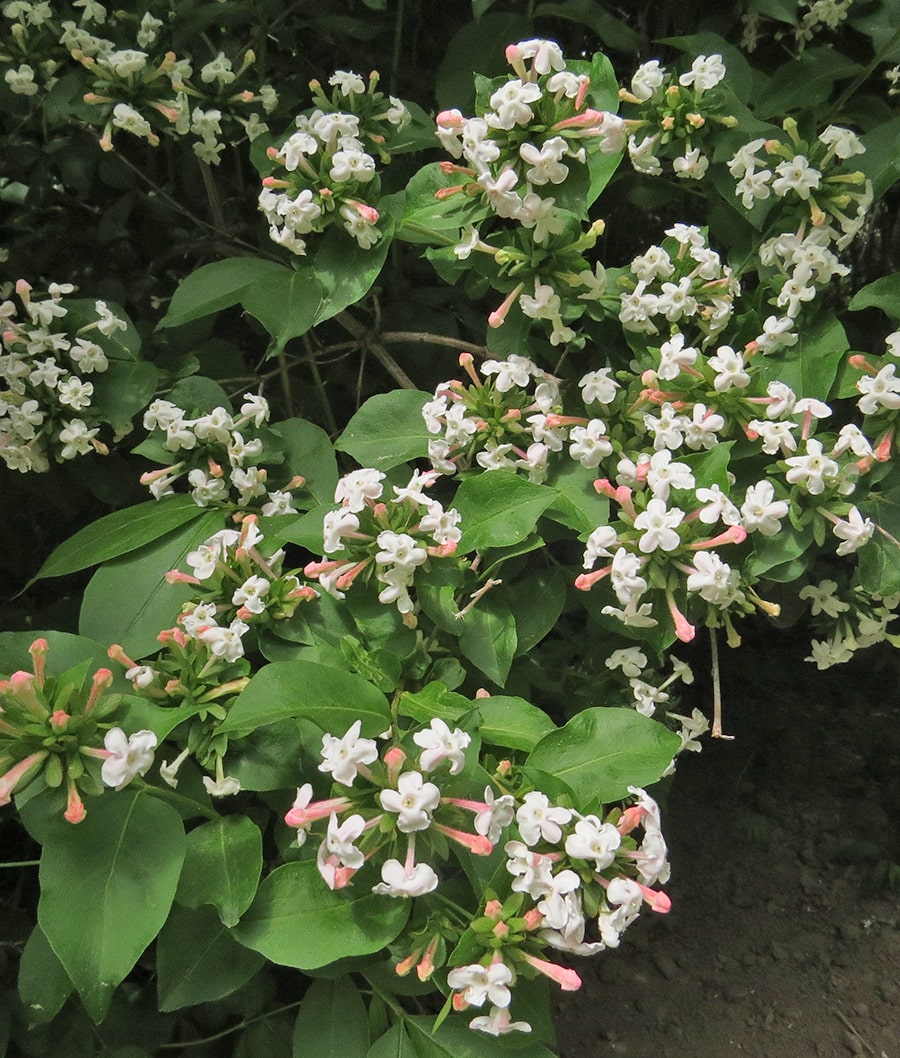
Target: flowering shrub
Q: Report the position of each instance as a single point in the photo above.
(391, 679)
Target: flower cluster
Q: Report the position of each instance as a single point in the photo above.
(49, 355)
(810, 181)
(327, 169)
(395, 808)
(51, 726)
(578, 882)
(849, 619)
(388, 540)
(683, 282)
(214, 441)
(676, 117)
(137, 85)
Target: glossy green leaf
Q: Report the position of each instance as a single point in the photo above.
(387, 430)
(271, 757)
(107, 887)
(488, 637)
(454, 1039)
(123, 390)
(331, 1021)
(285, 303)
(512, 722)
(128, 600)
(118, 533)
(601, 752)
(879, 559)
(309, 451)
(578, 505)
(499, 509)
(222, 866)
(216, 286)
(198, 961)
(811, 366)
(614, 32)
(296, 920)
(883, 294)
(330, 698)
(65, 651)
(395, 1043)
(804, 82)
(44, 984)
(434, 700)
(536, 601)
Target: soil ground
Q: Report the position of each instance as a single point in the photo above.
(784, 936)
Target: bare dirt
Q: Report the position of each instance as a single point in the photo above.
(784, 936)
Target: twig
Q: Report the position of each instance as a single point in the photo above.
(717, 688)
(476, 595)
(427, 338)
(852, 1028)
(377, 350)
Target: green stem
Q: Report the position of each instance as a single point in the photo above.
(177, 799)
(867, 72)
(22, 863)
(228, 1032)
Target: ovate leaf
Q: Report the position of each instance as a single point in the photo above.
(216, 286)
(331, 1021)
(106, 889)
(387, 430)
(296, 920)
(222, 866)
(601, 752)
(499, 509)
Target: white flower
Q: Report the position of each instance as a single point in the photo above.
(546, 55)
(760, 511)
(545, 163)
(843, 142)
(339, 839)
(706, 72)
(251, 594)
(439, 743)
(659, 525)
(129, 755)
(344, 756)
(823, 599)
(712, 579)
(225, 642)
(854, 532)
(631, 660)
(646, 696)
(537, 819)
(796, 175)
(478, 983)
(647, 78)
(516, 371)
(531, 871)
(498, 1023)
(594, 841)
(491, 821)
(414, 800)
(729, 368)
(589, 444)
(355, 488)
(814, 470)
(879, 391)
(347, 83)
(598, 386)
(673, 356)
(397, 881)
(512, 103)
(226, 786)
(691, 166)
(664, 475)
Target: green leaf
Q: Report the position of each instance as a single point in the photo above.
(309, 451)
(269, 758)
(454, 1039)
(601, 752)
(44, 984)
(512, 722)
(285, 304)
(106, 889)
(614, 33)
(578, 506)
(804, 82)
(346, 271)
(434, 700)
(65, 651)
(330, 698)
(296, 920)
(198, 961)
(222, 866)
(883, 294)
(477, 46)
(811, 366)
(387, 430)
(879, 559)
(881, 162)
(123, 390)
(395, 1043)
(331, 1021)
(118, 533)
(488, 637)
(536, 602)
(128, 600)
(498, 509)
(216, 286)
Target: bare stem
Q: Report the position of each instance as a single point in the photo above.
(717, 688)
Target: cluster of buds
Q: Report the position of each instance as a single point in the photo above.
(396, 815)
(682, 283)
(388, 540)
(237, 587)
(51, 727)
(216, 441)
(46, 409)
(677, 117)
(578, 882)
(326, 168)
